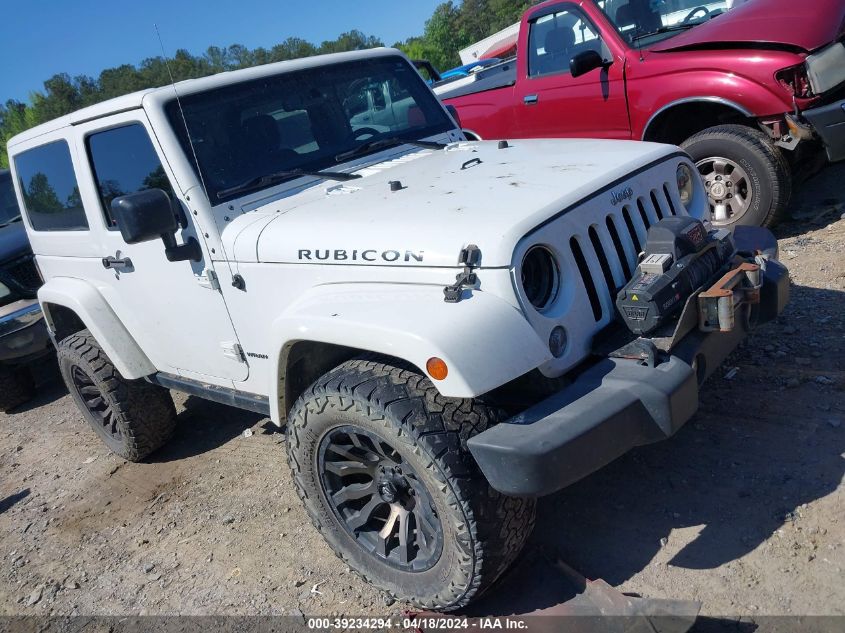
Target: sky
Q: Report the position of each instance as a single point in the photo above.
(83, 37)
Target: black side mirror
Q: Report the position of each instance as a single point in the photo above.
(586, 61)
(148, 215)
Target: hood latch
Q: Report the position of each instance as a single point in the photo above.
(470, 257)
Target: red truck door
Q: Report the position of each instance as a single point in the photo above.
(549, 101)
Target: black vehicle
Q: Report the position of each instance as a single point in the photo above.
(23, 334)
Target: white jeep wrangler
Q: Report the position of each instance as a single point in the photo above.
(447, 329)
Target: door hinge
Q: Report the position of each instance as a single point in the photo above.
(470, 257)
(208, 279)
(233, 351)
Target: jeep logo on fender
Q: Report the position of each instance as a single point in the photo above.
(621, 196)
(371, 255)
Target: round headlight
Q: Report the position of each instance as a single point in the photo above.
(4, 291)
(685, 183)
(540, 277)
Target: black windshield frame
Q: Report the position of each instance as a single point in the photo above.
(314, 96)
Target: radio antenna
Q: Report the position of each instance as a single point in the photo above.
(182, 114)
(235, 283)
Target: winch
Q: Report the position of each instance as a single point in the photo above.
(680, 257)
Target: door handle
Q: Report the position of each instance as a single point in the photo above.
(124, 264)
(531, 99)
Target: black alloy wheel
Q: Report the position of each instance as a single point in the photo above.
(379, 499)
(132, 417)
(97, 406)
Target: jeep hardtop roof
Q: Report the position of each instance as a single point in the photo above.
(138, 99)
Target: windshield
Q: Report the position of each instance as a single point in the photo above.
(305, 120)
(9, 209)
(645, 22)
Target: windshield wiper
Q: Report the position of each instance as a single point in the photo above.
(384, 143)
(17, 218)
(665, 29)
(279, 176)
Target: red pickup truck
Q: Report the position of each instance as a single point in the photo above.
(751, 90)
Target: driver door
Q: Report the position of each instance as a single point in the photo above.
(549, 101)
(172, 309)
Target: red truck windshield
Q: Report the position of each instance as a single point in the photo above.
(645, 22)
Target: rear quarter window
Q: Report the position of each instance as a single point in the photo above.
(50, 190)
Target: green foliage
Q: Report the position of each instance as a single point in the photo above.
(455, 26)
(451, 27)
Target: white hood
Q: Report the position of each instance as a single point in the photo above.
(448, 200)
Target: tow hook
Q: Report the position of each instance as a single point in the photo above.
(718, 305)
(470, 257)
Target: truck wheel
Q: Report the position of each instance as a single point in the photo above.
(132, 417)
(16, 387)
(746, 176)
(379, 459)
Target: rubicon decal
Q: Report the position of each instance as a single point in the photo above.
(365, 255)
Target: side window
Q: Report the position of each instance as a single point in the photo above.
(556, 38)
(50, 191)
(124, 161)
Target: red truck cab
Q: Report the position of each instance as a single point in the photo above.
(751, 90)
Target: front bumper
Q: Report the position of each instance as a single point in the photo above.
(23, 332)
(828, 122)
(612, 407)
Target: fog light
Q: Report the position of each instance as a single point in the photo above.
(557, 342)
(436, 368)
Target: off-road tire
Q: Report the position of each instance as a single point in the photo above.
(143, 414)
(482, 530)
(764, 162)
(17, 387)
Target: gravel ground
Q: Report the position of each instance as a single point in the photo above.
(743, 510)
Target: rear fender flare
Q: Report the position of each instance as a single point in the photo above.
(95, 313)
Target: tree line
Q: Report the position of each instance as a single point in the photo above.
(452, 26)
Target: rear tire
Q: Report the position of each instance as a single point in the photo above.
(17, 387)
(754, 167)
(366, 415)
(132, 417)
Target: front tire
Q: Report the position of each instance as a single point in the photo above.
(17, 387)
(746, 176)
(380, 462)
(132, 417)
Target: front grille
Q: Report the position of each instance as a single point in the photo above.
(614, 243)
(21, 275)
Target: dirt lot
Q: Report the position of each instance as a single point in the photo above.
(744, 510)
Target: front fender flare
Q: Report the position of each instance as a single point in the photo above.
(94, 311)
(485, 341)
